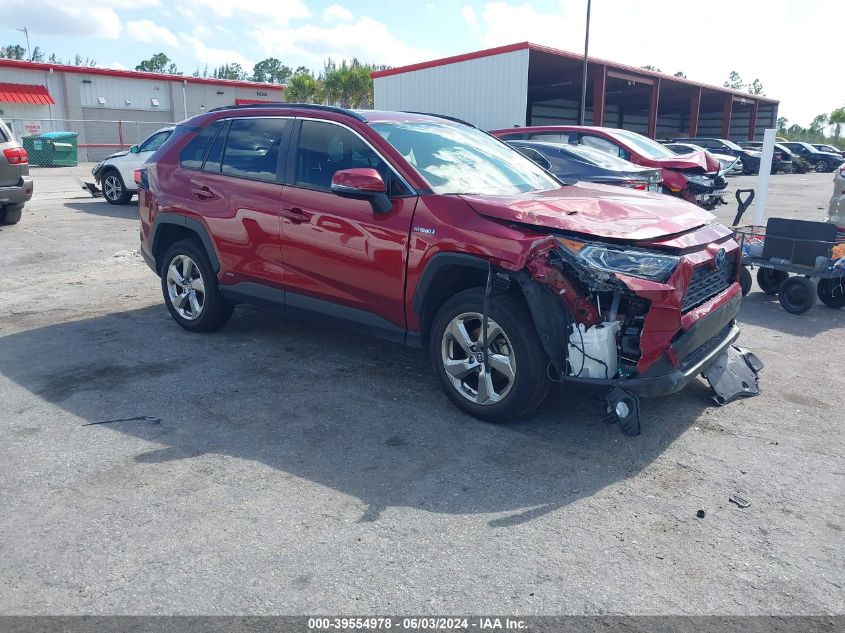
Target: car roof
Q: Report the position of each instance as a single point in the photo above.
(365, 116)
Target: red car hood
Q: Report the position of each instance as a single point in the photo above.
(696, 160)
(598, 210)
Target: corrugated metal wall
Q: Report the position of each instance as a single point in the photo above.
(490, 92)
(119, 93)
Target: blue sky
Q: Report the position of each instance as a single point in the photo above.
(777, 41)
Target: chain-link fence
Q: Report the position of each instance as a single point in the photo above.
(62, 152)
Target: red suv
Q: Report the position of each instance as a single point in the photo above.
(427, 231)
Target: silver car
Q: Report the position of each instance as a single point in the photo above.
(15, 181)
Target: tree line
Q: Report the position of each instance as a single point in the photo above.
(347, 83)
(18, 52)
(817, 131)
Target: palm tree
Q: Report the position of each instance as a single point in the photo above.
(836, 119)
(302, 88)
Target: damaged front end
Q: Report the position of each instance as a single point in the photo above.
(638, 322)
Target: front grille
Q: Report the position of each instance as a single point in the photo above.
(706, 283)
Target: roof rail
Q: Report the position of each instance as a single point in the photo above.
(298, 106)
(441, 116)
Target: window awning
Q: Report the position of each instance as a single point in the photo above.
(25, 93)
(253, 101)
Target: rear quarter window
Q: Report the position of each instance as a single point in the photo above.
(193, 154)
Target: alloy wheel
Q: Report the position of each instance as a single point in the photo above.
(821, 166)
(112, 187)
(185, 287)
(463, 359)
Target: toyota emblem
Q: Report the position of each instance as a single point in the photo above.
(720, 258)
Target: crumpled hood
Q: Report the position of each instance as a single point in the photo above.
(598, 210)
(697, 160)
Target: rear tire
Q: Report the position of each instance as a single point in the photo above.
(114, 189)
(831, 292)
(797, 294)
(190, 289)
(518, 382)
(745, 280)
(771, 280)
(11, 214)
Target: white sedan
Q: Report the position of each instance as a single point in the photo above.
(115, 174)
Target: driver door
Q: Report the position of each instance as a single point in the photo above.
(340, 257)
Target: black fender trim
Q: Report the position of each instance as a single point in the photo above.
(437, 262)
(550, 316)
(194, 225)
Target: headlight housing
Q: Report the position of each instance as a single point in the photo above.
(627, 261)
(701, 181)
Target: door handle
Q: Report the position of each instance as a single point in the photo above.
(296, 215)
(203, 193)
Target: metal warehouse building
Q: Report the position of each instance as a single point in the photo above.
(526, 84)
(111, 108)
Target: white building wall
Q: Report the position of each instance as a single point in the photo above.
(489, 92)
(53, 83)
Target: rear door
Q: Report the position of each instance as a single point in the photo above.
(10, 174)
(237, 192)
(341, 257)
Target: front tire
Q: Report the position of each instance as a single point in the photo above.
(770, 280)
(517, 382)
(11, 214)
(114, 189)
(821, 167)
(190, 289)
(745, 280)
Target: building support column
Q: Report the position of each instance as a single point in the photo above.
(653, 105)
(752, 123)
(599, 93)
(694, 110)
(727, 111)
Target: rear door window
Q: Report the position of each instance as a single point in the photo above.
(252, 148)
(602, 144)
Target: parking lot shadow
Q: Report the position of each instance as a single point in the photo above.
(361, 416)
(765, 311)
(98, 206)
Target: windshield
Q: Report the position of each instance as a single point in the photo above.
(460, 159)
(685, 148)
(730, 144)
(644, 145)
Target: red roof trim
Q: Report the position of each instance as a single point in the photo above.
(499, 50)
(25, 93)
(134, 74)
(253, 101)
(445, 61)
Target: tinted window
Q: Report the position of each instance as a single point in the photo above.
(193, 154)
(215, 154)
(154, 142)
(325, 148)
(252, 148)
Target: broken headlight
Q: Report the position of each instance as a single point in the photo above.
(645, 264)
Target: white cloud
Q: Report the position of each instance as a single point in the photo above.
(366, 38)
(278, 12)
(337, 13)
(72, 17)
(116, 66)
(504, 23)
(214, 56)
(149, 32)
(469, 16)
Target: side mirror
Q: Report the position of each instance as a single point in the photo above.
(134, 149)
(362, 183)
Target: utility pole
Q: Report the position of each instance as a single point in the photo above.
(28, 50)
(582, 112)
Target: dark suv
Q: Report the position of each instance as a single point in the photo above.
(15, 182)
(821, 161)
(750, 158)
(427, 231)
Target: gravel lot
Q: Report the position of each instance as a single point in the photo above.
(294, 469)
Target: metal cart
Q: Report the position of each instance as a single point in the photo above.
(796, 260)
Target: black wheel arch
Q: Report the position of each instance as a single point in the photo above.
(446, 274)
(169, 228)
